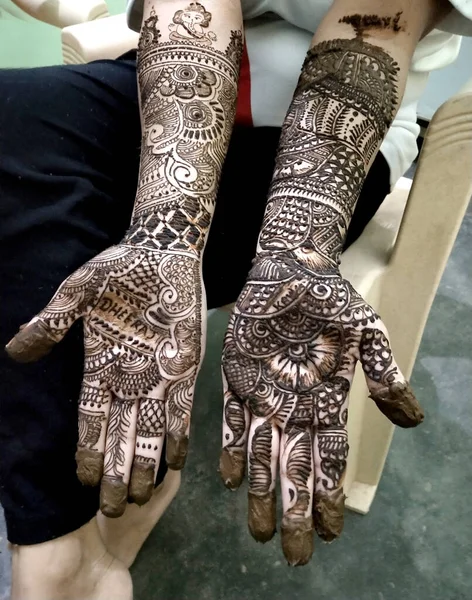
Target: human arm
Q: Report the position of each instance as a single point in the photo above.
(142, 301)
(298, 328)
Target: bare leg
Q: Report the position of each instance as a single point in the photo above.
(76, 565)
(123, 537)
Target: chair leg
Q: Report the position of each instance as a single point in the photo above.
(370, 436)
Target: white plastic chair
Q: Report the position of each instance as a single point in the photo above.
(62, 13)
(399, 274)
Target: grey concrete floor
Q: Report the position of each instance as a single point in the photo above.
(415, 544)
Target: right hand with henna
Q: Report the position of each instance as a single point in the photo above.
(142, 316)
(289, 357)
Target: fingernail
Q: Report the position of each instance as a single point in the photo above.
(262, 520)
(297, 540)
(176, 451)
(141, 486)
(89, 466)
(113, 497)
(328, 514)
(31, 343)
(232, 464)
(398, 403)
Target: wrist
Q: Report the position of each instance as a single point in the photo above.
(319, 253)
(289, 263)
(308, 219)
(178, 230)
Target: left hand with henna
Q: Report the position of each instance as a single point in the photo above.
(298, 328)
(290, 351)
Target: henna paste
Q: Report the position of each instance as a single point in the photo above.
(262, 516)
(177, 448)
(31, 343)
(113, 497)
(89, 466)
(328, 513)
(398, 403)
(297, 540)
(232, 465)
(141, 486)
(364, 23)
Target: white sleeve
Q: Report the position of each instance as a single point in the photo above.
(458, 20)
(276, 51)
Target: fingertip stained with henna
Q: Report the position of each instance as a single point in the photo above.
(328, 513)
(297, 540)
(262, 516)
(176, 451)
(113, 497)
(141, 485)
(399, 404)
(89, 466)
(232, 466)
(31, 343)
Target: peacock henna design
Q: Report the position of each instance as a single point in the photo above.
(188, 99)
(150, 33)
(142, 301)
(299, 328)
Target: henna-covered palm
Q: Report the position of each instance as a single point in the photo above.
(142, 317)
(289, 358)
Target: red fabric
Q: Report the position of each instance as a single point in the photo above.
(243, 108)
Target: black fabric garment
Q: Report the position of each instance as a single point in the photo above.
(69, 158)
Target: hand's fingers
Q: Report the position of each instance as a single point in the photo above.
(236, 421)
(296, 480)
(388, 388)
(263, 452)
(32, 342)
(119, 452)
(94, 409)
(179, 401)
(330, 452)
(47, 328)
(148, 449)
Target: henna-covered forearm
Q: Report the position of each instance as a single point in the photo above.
(188, 67)
(345, 101)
